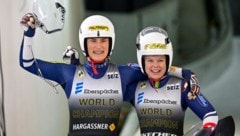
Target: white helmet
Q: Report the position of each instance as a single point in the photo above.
(96, 26)
(153, 41)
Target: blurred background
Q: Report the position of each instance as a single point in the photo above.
(205, 37)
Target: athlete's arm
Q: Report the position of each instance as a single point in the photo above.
(180, 73)
(201, 107)
(130, 75)
(188, 76)
(51, 71)
(129, 95)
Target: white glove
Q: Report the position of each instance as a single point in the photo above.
(71, 54)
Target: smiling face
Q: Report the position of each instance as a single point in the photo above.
(155, 66)
(98, 48)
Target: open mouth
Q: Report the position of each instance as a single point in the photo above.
(98, 52)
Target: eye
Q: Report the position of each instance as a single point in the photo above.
(92, 39)
(104, 40)
(161, 60)
(149, 60)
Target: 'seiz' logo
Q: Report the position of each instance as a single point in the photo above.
(173, 87)
(111, 76)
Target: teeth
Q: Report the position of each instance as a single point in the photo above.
(98, 52)
(155, 70)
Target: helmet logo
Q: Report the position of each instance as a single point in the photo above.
(98, 27)
(155, 46)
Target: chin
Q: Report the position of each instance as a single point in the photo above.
(99, 60)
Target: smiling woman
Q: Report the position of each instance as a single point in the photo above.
(92, 75)
(155, 66)
(98, 49)
(160, 87)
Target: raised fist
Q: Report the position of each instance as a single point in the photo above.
(29, 20)
(72, 55)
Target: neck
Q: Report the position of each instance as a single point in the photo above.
(94, 61)
(96, 70)
(156, 83)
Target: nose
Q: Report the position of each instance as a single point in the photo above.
(98, 44)
(155, 64)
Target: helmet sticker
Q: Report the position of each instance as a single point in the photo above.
(155, 46)
(98, 27)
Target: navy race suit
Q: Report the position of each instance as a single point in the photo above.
(94, 100)
(161, 110)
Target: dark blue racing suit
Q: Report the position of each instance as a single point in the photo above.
(161, 109)
(94, 100)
